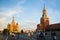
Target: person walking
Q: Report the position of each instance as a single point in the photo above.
(53, 35)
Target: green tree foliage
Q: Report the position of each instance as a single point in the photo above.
(22, 31)
(6, 31)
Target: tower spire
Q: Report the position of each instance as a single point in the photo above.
(44, 12)
(44, 19)
(13, 17)
(13, 21)
(44, 7)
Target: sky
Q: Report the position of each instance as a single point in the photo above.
(27, 13)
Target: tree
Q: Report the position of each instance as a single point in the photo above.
(22, 31)
(6, 31)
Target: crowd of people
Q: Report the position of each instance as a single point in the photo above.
(40, 36)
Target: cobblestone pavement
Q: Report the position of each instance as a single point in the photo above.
(25, 37)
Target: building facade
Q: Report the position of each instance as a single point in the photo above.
(13, 27)
(44, 22)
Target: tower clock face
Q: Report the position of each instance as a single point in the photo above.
(45, 20)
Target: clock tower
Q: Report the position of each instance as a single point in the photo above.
(44, 19)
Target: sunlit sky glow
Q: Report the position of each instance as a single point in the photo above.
(28, 12)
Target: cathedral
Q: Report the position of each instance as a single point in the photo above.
(13, 27)
(44, 23)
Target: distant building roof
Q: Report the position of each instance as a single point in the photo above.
(54, 26)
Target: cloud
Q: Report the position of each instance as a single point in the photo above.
(6, 13)
(2, 15)
(54, 15)
(9, 13)
(29, 23)
(12, 10)
(28, 26)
